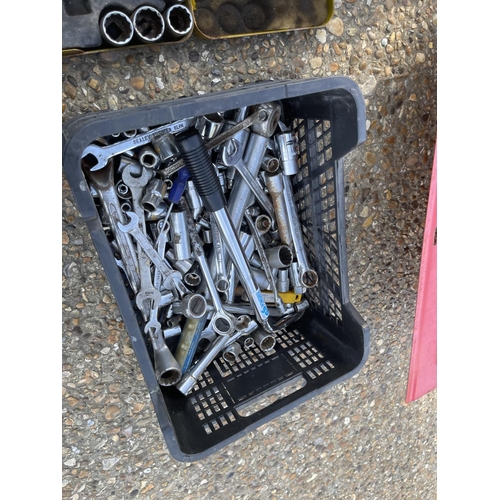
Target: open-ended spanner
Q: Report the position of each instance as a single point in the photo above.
(103, 182)
(170, 277)
(103, 153)
(148, 297)
(161, 244)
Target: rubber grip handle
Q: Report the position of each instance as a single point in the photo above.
(197, 160)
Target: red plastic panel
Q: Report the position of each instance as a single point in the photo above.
(423, 364)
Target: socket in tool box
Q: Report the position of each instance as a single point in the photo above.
(96, 25)
(221, 361)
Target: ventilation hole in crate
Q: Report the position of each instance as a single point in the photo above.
(329, 154)
(302, 129)
(304, 163)
(311, 374)
(223, 420)
(207, 407)
(231, 417)
(319, 129)
(207, 429)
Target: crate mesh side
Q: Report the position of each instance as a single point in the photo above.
(315, 196)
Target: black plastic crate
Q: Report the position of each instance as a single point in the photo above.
(330, 343)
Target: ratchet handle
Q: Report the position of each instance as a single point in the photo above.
(195, 155)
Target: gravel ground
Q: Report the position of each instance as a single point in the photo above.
(358, 440)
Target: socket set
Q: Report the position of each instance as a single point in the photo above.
(222, 235)
(95, 24)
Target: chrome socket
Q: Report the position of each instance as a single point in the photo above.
(283, 283)
(172, 332)
(116, 28)
(210, 125)
(179, 235)
(148, 158)
(287, 147)
(279, 257)
(165, 147)
(192, 306)
(149, 25)
(178, 20)
(232, 352)
(265, 341)
(154, 193)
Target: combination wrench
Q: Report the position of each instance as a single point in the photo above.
(148, 297)
(103, 182)
(102, 154)
(222, 322)
(170, 277)
(232, 156)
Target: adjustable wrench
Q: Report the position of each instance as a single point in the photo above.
(103, 153)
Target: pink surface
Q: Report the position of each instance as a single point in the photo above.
(423, 364)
